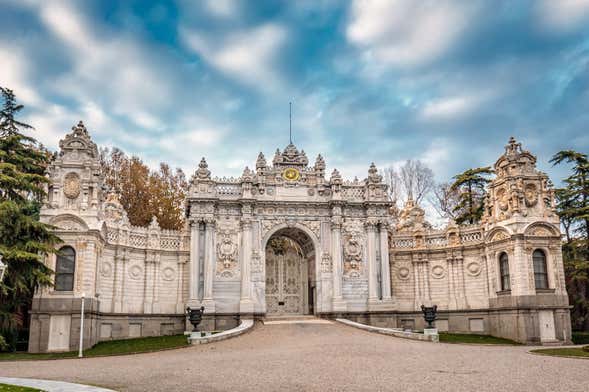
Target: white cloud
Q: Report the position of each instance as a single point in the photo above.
(246, 55)
(449, 107)
(222, 8)
(406, 33)
(562, 15)
(114, 66)
(14, 74)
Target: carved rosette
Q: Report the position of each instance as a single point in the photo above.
(353, 244)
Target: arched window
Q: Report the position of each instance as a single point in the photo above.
(540, 270)
(504, 271)
(64, 269)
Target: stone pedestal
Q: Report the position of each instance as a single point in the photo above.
(430, 331)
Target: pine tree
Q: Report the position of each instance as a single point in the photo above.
(573, 209)
(472, 187)
(24, 241)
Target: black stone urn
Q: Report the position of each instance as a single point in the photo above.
(429, 314)
(195, 316)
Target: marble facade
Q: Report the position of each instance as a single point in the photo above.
(286, 238)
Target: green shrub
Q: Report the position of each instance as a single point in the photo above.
(3, 345)
(586, 348)
(580, 337)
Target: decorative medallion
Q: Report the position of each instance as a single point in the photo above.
(291, 174)
(531, 195)
(473, 268)
(135, 272)
(106, 270)
(438, 272)
(403, 273)
(168, 274)
(71, 185)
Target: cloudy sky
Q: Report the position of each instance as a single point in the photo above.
(446, 82)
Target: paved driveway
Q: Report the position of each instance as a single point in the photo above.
(319, 357)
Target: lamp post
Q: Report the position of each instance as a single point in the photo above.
(2, 269)
(80, 354)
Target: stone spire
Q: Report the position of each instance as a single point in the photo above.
(203, 172)
(373, 176)
(319, 163)
(336, 177)
(247, 175)
(261, 162)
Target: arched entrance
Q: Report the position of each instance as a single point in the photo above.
(290, 273)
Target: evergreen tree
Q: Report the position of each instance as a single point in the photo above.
(573, 209)
(471, 184)
(24, 241)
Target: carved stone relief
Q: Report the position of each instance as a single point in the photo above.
(326, 265)
(353, 240)
(71, 185)
(227, 249)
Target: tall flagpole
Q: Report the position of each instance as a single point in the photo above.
(290, 122)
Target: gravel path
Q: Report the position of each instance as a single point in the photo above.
(319, 357)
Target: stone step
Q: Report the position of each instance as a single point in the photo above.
(550, 343)
(294, 319)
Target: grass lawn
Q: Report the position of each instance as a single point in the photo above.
(16, 388)
(566, 352)
(113, 347)
(472, 338)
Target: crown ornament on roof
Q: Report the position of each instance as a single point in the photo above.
(515, 160)
(78, 141)
(290, 156)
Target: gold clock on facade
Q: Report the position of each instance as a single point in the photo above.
(291, 174)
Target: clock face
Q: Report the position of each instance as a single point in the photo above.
(291, 174)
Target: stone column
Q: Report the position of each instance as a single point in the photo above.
(372, 265)
(245, 304)
(385, 266)
(209, 268)
(194, 263)
(336, 254)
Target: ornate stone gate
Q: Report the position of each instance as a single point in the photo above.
(290, 278)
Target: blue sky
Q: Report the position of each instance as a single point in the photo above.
(446, 82)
